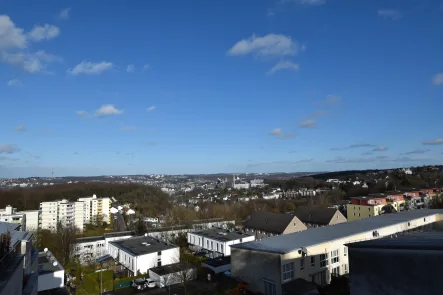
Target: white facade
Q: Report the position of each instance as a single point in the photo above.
(10, 215)
(135, 261)
(96, 209)
(65, 212)
(31, 219)
(52, 274)
(218, 244)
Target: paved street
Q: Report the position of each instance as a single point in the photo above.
(119, 222)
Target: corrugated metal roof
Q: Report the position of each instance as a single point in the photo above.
(291, 242)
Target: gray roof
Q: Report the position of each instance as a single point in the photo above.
(221, 235)
(315, 215)
(135, 247)
(291, 242)
(414, 241)
(269, 222)
(6, 226)
(89, 239)
(45, 265)
(118, 234)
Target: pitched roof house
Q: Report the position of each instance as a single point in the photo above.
(318, 216)
(266, 224)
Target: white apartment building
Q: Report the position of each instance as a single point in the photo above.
(139, 254)
(27, 219)
(96, 209)
(68, 213)
(217, 241)
(270, 265)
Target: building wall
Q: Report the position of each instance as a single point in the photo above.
(254, 267)
(214, 245)
(338, 218)
(15, 284)
(356, 212)
(89, 251)
(31, 223)
(392, 271)
(48, 215)
(51, 280)
(295, 226)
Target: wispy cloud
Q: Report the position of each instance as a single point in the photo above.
(435, 141)
(382, 159)
(353, 146)
(82, 113)
(9, 149)
(130, 68)
(304, 2)
(151, 108)
(417, 151)
(269, 45)
(366, 153)
(31, 62)
(390, 14)
(128, 128)
(14, 82)
(146, 67)
(21, 128)
(91, 68)
(65, 13)
(278, 133)
(284, 65)
(108, 110)
(45, 32)
(280, 163)
(380, 149)
(438, 79)
(308, 124)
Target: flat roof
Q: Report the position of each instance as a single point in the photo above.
(219, 261)
(7, 226)
(221, 235)
(413, 241)
(167, 269)
(45, 264)
(89, 239)
(118, 234)
(291, 242)
(136, 246)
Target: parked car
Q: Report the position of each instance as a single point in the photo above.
(150, 283)
(140, 284)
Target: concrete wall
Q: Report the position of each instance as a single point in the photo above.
(51, 280)
(400, 272)
(253, 267)
(356, 212)
(214, 245)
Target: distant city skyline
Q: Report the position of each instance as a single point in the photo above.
(221, 87)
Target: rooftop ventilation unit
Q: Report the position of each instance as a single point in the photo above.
(222, 233)
(145, 244)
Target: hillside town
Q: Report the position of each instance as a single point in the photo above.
(307, 249)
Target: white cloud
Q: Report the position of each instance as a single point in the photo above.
(21, 128)
(284, 65)
(90, 68)
(64, 14)
(380, 149)
(308, 124)
(11, 37)
(81, 113)
(29, 62)
(436, 141)
(269, 45)
(9, 149)
(107, 110)
(390, 14)
(311, 2)
(151, 108)
(130, 68)
(146, 67)
(14, 82)
(45, 32)
(278, 133)
(438, 79)
(128, 128)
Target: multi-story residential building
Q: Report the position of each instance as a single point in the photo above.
(316, 254)
(64, 212)
(9, 214)
(139, 254)
(96, 210)
(267, 224)
(216, 241)
(410, 265)
(318, 216)
(364, 207)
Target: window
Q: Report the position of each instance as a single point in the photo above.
(312, 261)
(324, 260)
(221, 248)
(288, 271)
(295, 224)
(345, 268)
(207, 244)
(336, 271)
(335, 256)
(212, 245)
(345, 251)
(302, 263)
(159, 253)
(216, 246)
(270, 288)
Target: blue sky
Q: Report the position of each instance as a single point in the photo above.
(130, 87)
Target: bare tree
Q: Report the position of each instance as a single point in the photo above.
(65, 242)
(185, 272)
